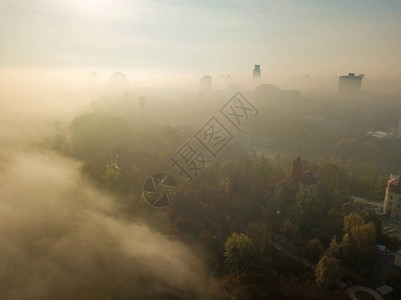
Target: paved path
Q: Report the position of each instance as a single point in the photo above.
(292, 255)
(352, 290)
(358, 199)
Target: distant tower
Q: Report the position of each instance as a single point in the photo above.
(303, 181)
(308, 182)
(350, 85)
(392, 198)
(256, 71)
(205, 84)
(296, 171)
(142, 101)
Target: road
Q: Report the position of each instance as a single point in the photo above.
(373, 203)
(352, 290)
(293, 256)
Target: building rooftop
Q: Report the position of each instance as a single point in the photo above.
(308, 178)
(118, 76)
(394, 185)
(351, 75)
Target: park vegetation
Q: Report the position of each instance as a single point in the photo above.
(243, 208)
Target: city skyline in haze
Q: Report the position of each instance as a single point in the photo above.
(287, 38)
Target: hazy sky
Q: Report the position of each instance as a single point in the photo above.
(287, 37)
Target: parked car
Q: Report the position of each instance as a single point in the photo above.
(381, 248)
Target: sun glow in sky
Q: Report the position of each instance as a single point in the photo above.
(287, 37)
(91, 7)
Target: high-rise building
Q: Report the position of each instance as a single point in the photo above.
(350, 85)
(206, 84)
(392, 198)
(256, 71)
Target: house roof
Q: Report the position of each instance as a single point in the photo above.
(394, 185)
(308, 177)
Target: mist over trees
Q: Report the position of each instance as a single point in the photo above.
(243, 206)
(74, 210)
(199, 149)
(96, 96)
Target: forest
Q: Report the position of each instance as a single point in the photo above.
(227, 149)
(258, 235)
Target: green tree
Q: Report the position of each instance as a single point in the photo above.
(364, 236)
(357, 246)
(112, 177)
(285, 196)
(97, 133)
(230, 287)
(239, 250)
(310, 209)
(327, 271)
(364, 239)
(352, 220)
(314, 250)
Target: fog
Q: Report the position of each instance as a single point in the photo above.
(97, 95)
(61, 238)
(67, 233)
